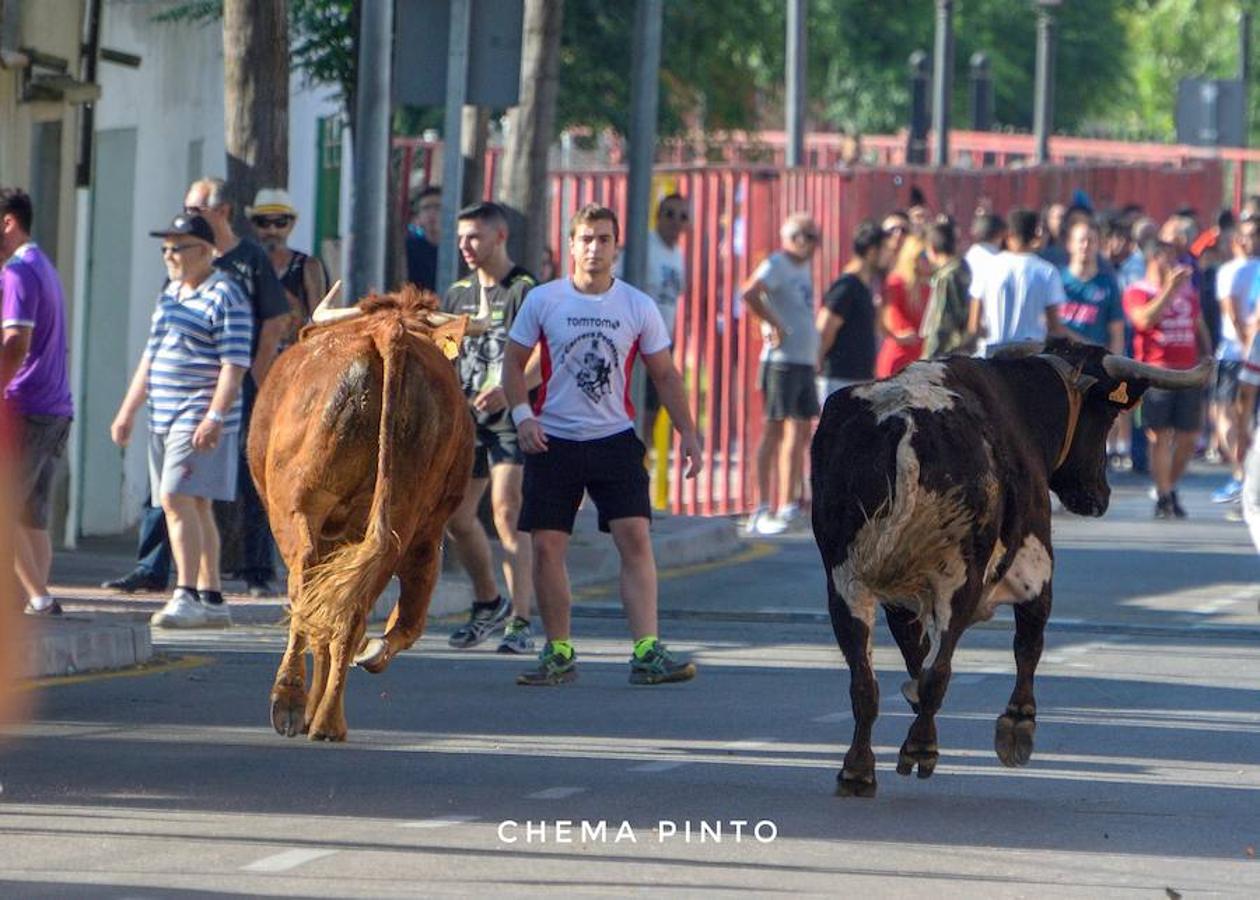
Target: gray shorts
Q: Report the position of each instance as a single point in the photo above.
(789, 391)
(1179, 410)
(176, 468)
(43, 443)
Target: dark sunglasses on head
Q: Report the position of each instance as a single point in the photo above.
(172, 249)
(271, 221)
(806, 235)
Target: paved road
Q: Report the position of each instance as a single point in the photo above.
(1146, 775)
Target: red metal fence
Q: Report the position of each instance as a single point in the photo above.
(736, 213)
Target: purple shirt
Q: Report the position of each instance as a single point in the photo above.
(32, 299)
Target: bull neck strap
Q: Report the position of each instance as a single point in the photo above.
(1070, 376)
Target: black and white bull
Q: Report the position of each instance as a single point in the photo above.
(931, 495)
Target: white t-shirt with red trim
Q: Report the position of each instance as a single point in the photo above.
(589, 345)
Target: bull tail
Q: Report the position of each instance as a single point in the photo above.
(347, 580)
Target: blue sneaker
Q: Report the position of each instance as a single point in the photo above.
(1228, 492)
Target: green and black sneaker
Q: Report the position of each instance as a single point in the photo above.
(554, 668)
(659, 666)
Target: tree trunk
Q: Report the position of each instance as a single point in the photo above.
(255, 98)
(473, 137)
(531, 127)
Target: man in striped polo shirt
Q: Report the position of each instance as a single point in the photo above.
(197, 354)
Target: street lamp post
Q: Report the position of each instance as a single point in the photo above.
(1043, 103)
(916, 149)
(942, 80)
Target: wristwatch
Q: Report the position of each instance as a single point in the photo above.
(215, 416)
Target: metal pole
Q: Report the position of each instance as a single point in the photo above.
(452, 131)
(796, 78)
(1043, 101)
(942, 80)
(1244, 69)
(371, 153)
(916, 150)
(644, 88)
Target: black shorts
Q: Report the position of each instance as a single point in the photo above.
(789, 391)
(43, 443)
(610, 469)
(493, 447)
(1225, 391)
(1178, 410)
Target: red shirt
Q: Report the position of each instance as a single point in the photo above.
(1172, 342)
(902, 316)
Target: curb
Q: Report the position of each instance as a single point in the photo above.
(74, 644)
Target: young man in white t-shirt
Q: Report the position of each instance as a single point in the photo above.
(1019, 294)
(1236, 284)
(579, 437)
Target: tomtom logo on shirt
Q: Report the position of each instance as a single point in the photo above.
(592, 322)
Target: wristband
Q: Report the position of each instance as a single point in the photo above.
(521, 412)
(215, 416)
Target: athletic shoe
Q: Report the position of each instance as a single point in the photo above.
(553, 669)
(183, 610)
(750, 527)
(1174, 502)
(768, 525)
(659, 666)
(1234, 514)
(1163, 508)
(482, 622)
(136, 580)
(217, 615)
(517, 637)
(789, 515)
(260, 587)
(1228, 492)
(52, 609)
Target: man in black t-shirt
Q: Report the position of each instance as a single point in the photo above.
(491, 296)
(846, 321)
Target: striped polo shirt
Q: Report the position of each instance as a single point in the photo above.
(191, 338)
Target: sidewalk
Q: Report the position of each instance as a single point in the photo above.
(106, 630)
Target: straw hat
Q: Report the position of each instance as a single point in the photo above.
(271, 202)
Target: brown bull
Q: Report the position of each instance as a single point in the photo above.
(361, 447)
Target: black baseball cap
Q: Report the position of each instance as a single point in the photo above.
(185, 225)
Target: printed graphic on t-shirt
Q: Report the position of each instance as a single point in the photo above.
(591, 358)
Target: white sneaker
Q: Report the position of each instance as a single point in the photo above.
(183, 610)
(217, 614)
(789, 515)
(769, 525)
(750, 527)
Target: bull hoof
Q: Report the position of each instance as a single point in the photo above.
(332, 735)
(910, 690)
(854, 784)
(374, 657)
(287, 714)
(1013, 737)
(912, 753)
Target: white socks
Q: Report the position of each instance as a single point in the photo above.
(41, 603)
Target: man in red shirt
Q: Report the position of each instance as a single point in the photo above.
(1168, 331)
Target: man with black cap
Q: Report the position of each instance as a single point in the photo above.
(191, 371)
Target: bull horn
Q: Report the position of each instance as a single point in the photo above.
(325, 315)
(1120, 367)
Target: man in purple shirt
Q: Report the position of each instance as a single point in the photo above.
(33, 376)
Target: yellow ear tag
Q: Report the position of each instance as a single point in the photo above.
(450, 347)
(1120, 394)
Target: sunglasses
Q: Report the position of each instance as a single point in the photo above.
(678, 215)
(806, 236)
(171, 250)
(271, 221)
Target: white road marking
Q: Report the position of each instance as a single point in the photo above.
(438, 822)
(1215, 606)
(661, 765)
(834, 717)
(289, 859)
(749, 743)
(555, 793)
(970, 677)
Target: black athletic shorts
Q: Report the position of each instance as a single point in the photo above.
(610, 469)
(789, 391)
(491, 447)
(43, 443)
(1178, 410)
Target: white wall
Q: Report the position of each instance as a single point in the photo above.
(173, 99)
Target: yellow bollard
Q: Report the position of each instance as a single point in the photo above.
(662, 437)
